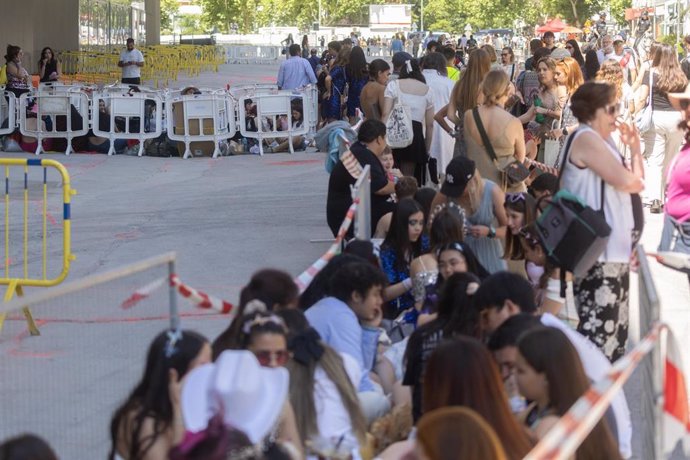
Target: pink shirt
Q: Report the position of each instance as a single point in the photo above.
(678, 190)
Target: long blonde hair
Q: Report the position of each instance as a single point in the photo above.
(465, 90)
(494, 86)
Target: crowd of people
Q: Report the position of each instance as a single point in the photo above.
(453, 330)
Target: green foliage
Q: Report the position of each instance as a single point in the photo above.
(668, 40)
(617, 8)
(169, 8)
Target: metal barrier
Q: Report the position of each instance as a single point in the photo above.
(200, 117)
(8, 111)
(259, 54)
(270, 110)
(362, 192)
(15, 284)
(58, 107)
(137, 110)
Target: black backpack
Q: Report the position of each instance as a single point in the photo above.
(161, 147)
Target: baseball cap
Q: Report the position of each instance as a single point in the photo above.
(400, 57)
(617, 38)
(458, 174)
(559, 53)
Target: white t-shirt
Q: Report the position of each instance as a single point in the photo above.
(418, 104)
(131, 71)
(629, 62)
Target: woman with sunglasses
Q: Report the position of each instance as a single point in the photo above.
(508, 64)
(265, 334)
(592, 164)
(574, 49)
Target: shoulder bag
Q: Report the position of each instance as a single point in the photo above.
(573, 234)
(514, 172)
(643, 120)
(399, 133)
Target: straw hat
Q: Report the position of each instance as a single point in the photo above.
(249, 397)
(675, 98)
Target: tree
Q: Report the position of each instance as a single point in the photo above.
(169, 8)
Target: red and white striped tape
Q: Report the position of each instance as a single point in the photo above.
(565, 437)
(201, 299)
(142, 293)
(308, 275)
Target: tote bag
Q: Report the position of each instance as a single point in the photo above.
(643, 121)
(399, 132)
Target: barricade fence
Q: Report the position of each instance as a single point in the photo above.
(198, 122)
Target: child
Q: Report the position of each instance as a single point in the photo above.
(387, 161)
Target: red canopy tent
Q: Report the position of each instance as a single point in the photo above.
(555, 25)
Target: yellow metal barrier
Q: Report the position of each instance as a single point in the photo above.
(15, 284)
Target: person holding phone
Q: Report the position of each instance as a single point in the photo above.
(131, 62)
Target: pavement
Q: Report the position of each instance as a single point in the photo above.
(225, 218)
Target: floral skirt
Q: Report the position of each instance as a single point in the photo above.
(602, 299)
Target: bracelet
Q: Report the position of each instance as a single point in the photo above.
(407, 284)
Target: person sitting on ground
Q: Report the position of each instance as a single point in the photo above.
(323, 386)
(298, 142)
(404, 242)
(550, 373)
(274, 288)
(371, 143)
(26, 447)
(454, 315)
(265, 335)
(355, 296)
(405, 187)
(49, 68)
(461, 372)
(149, 423)
(102, 144)
(505, 294)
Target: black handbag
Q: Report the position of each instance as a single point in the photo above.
(515, 172)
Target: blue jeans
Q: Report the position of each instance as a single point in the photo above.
(675, 237)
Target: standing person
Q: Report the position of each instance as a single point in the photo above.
(508, 64)
(663, 141)
(611, 72)
(569, 76)
(452, 71)
(503, 130)
(602, 294)
(288, 42)
(441, 150)
(411, 90)
(416, 43)
(534, 45)
(370, 145)
(49, 68)
(676, 233)
(624, 58)
(605, 49)
(371, 98)
(465, 96)
(295, 71)
(18, 79)
(357, 76)
(685, 62)
(591, 64)
(396, 45)
(574, 48)
(549, 38)
(131, 62)
(336, 80)
(305, 46)
(314, 61)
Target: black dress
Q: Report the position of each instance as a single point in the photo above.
(51, 66)
(414, 153)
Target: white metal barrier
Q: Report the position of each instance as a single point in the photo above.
(201, 117)
(71, 106)
(142, 114)
(8, 113)
(257, 54)
(270, 110)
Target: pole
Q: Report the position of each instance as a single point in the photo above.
(174, 314)
(318, 21)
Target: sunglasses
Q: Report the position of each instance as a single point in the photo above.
(568, 47)
(505, 54)
(266, 358)
(611, 109)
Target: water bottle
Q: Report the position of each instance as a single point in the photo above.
(540, 116)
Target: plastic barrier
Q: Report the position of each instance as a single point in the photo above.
(138, 111)
(199, 118)
(8, 111)
(15, 283)
(271, 110)
(64, 111)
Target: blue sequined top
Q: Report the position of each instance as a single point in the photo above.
(395, 274)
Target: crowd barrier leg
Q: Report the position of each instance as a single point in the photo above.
(12, 288)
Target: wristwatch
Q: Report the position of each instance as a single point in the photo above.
(492, 232)
(565, 131)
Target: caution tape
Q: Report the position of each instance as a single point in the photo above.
(201, 299)
(303, 280)
(565, 437)
(142, 293)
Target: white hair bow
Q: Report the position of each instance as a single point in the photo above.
(408, 64)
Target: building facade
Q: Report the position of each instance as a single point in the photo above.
(76, 24)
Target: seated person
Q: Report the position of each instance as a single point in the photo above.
(347, 320)
(102, 144)
(298, 142)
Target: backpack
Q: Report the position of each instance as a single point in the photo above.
(399, 133)
(160, 147)
(573, 234)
